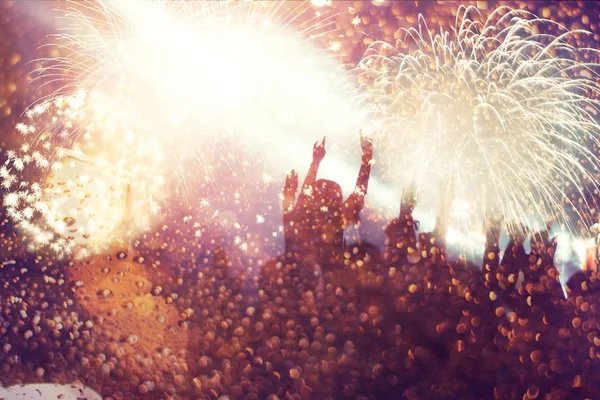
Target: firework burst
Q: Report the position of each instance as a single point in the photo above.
(81, 175)
(142, 91)
(509, 111)
(204, 72)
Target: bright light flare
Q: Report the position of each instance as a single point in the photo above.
(202, 72)
(149, 89)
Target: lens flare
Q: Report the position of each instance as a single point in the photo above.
(509, 111)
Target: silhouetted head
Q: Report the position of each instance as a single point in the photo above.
(328, 193)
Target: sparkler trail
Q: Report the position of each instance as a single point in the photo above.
(510, 111)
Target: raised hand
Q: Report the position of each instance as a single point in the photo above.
(289, 192)
(291, 183)
(408, 199)
(366, 143)
(517, 230)
(492, 221)
(319, 150)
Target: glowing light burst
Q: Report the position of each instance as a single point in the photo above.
(145, 89)
(510, 111)
(204, 71)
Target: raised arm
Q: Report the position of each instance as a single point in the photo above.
(311, 176)
(408, 200)
(493, 228)
(289, 192)
(362, 182)
(356, 201)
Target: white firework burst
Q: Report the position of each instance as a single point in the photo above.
(509, 111)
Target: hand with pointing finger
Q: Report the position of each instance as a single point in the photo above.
(366, 143)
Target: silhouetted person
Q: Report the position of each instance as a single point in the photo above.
(408, 201)
(515, 259)
(541, 276)
(492, 250)
(291, 224)
(316, 222)
(542, 246)
(401, 231)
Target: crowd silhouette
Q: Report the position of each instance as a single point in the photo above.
(315, 222)
(185, 315)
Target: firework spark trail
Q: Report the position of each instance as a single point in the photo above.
(508, 110)
(162, 85)
(61, 197)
